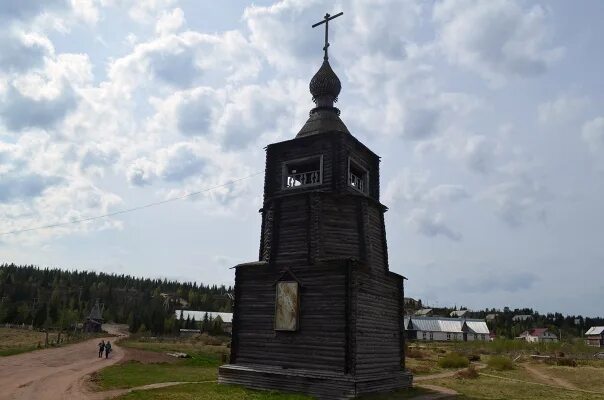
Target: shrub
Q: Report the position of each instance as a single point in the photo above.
(566, 362)
(420, 369)
(474, 357)
(500, 363)
(469, 373)
(453, 360)
(414, 353)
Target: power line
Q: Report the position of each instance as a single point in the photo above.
(141, 207)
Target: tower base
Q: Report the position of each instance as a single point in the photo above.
(321, 384)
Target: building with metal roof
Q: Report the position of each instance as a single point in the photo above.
(446, 329)
(538, 335)
(458, 313)
(226, 317)
(595, 336)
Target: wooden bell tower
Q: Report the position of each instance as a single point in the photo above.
(320, 312)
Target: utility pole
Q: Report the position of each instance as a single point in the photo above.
(34, 307)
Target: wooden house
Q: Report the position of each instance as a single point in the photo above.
(595, 336)
(94, 321)
(320, 312)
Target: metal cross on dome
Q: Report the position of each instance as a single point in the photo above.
(325, 21)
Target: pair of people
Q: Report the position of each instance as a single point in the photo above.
(106, 347)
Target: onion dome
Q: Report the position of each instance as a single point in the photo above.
(325, 86)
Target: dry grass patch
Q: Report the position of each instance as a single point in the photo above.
(517, 386)
(14, 341)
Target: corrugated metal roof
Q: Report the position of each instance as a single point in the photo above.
(478, 327)
(448, 325)
(198, 315)
(425, 324)
(453, 326)
(595, 330)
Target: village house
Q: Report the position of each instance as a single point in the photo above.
(491, 317)
(446, 329)
(522, 317)
(538, 335)
(458, 313)
(595, 336)
(424, 312)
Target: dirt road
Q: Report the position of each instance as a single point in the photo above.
(53, 374)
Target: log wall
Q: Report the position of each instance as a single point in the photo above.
(319, 344)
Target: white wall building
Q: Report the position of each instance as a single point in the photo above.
(446, 329)
(538, 335)
(227, 318)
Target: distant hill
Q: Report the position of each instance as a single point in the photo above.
(60, 298)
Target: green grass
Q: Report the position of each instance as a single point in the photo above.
(133, 374)
(202, 366)
(206, 358)
(209, 391)
(189, 346)
(213, 391)
(500, 363)
(453, 360)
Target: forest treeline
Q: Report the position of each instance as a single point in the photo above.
(60, 299)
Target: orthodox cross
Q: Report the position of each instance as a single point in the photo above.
(325, 21)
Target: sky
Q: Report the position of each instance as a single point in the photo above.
(488, 116)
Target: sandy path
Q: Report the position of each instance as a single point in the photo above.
(54, 374)
(446, 374)
(542, 376)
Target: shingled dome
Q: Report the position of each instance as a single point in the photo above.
(325, 86)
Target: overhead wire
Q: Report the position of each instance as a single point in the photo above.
(128, 210)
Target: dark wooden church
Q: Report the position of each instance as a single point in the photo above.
(320, 312)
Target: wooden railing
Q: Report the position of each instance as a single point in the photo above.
(303, 179)
(357, 182)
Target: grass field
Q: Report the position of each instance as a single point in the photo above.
(207, 355)
(515, 385)
(15, 341)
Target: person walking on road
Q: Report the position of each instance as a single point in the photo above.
(101, 348)
(107, 349)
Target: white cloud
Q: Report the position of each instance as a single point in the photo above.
(519, 201)
(593, 134)
(170, 22)
(412, 187)
(186, 59)
(20, 51)
(431, 225)
(446, 193)
(479, 153)
(497, 38)
(563, 109)
(42, 186)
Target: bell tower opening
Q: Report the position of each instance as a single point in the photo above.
(358, 177)
(306, 171)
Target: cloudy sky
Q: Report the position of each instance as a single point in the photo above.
(488, 116)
